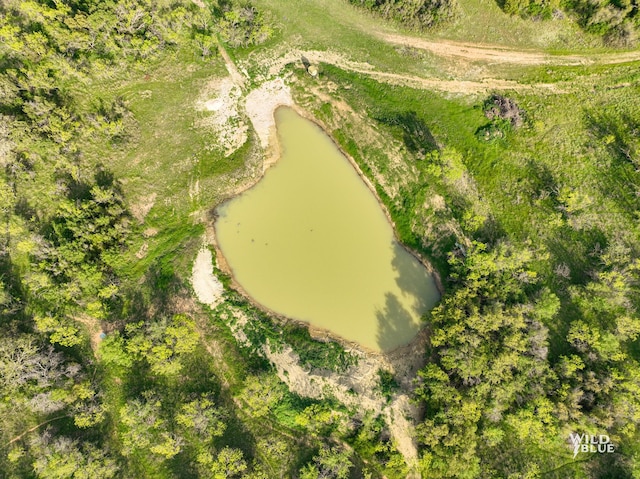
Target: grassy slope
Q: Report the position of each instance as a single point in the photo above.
(166, 153)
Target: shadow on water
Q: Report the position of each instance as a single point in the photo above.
(413, 279)
(393, 320)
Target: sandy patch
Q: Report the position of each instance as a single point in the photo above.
(194, 189)
(143, 206)
(457, 86)
(218, 103)
(260, 105)
(142, 252)
(273, 64)
(94, 330)
(6, 145)
(481, 52)
(207, 287)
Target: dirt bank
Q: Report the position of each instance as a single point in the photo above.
(206, 285)
(260, 105)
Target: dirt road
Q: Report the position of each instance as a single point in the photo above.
(498, 54)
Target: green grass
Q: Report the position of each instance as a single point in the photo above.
(483, 21)
(338, 25)
(317, 354)
(164, 155)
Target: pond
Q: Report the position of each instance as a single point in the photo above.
(311, 242)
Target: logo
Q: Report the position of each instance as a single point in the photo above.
(591, 443)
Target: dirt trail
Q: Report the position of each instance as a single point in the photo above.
(457, 86)
(499, 54)
(276, 65)
(237, 77)
(93, 328)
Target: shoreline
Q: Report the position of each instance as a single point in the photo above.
(271, 154)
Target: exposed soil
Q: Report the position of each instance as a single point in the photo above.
(238, 78)
(143, 206)
(458, 86)
(94, 329)
(261, 103)
(207, 287)
(356, 388)
(499, 54)
(275, 64)
(219, 104)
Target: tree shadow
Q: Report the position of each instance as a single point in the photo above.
(80, 189)
(575, 248)
(417, 282)
(490, 232)
(621, 137)
(413, 278)
(106, 179)
(23, 209)
(414, 132)
(159, 291)
(393, 320)
(13, 297)
(76, 189)
(541, 182)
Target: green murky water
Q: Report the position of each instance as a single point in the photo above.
(311, 242)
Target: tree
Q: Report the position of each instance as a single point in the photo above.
(201, 417)
(243, 25)
(162, 344)
(419, 14)
(228, 463)
(330, 463)
(63, 458)
(489, 358)
(262, 394)
(145, 429)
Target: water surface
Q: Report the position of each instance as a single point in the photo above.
(311, 242)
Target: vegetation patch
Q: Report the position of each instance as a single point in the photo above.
(242, 25)
(418, 14)
(616, 22)
(529, 209)
(317, 354)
